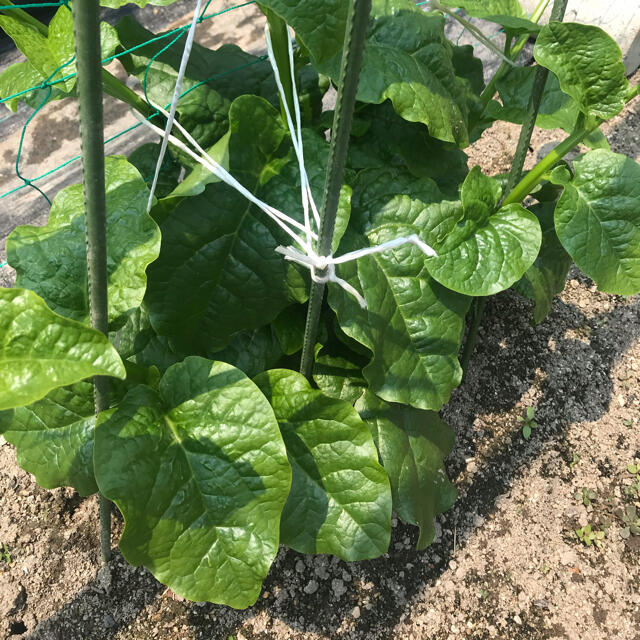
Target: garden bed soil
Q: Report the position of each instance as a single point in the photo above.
(506, 562)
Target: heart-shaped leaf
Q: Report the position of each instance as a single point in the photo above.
(597, 220)
(200, 473)
(340, 501)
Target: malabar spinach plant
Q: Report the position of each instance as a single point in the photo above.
(215, 449)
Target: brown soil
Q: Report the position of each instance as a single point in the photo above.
(506, 562)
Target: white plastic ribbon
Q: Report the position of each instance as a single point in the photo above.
(304, 254)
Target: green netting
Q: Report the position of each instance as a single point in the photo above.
(173, 36)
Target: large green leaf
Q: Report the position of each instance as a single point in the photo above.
(52, 260)
(597, 220)
(200, 473)
(41, 350)
(547, 276)
(145, 158)
(218, 272)
(340, 501)
(413, 325)
(339, 377)
(213, 79)
(45, 55)
(481, 249)
(54, 438)
(412, 446)
(415, 72)
(588, 64)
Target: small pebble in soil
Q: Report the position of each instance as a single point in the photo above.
(338, 587)
(311, 587)
(356, 612)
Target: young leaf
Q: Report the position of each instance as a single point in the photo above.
(54, 438)
(589, 66)
(547, 276)
(340, 501)
(52, 260)
(416, 73)
(481, 249)
(200, 473)
(597, 221)
(412, 446)
(413, 325)
(41, 350)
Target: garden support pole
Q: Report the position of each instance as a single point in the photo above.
(86, 20)
(354, 42)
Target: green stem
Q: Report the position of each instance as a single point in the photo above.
(529, 122)
(86, 19)
(355, 37)
(533, 178)
(280, 41)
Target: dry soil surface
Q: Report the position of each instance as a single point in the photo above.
(506, 562)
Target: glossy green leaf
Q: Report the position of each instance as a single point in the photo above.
(340, 501)
(200, 473)
(52, 260)
(589, 66)
(289, 328)
(597, 220)
(412, 445)
(45, 54)
(547, 276)
(41, 350)
(413, 325)
(218, 271)
(54, 438)
(213, 79)
(481, 249)
(416, 73)
(23, 76)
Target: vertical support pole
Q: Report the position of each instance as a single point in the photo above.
(86, 20)
(354, 42)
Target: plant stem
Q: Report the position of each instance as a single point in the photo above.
(280, 41)
(529, 122)
(86, 21)
(354, 43)
(479, 305)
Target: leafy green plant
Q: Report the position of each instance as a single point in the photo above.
(586, 496)
(214, 448)
(633, 490)
(589, 536)
(528, 422)
(631, 519)
(5, 554)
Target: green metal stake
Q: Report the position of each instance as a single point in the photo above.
(86, 21)
(354, 41)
